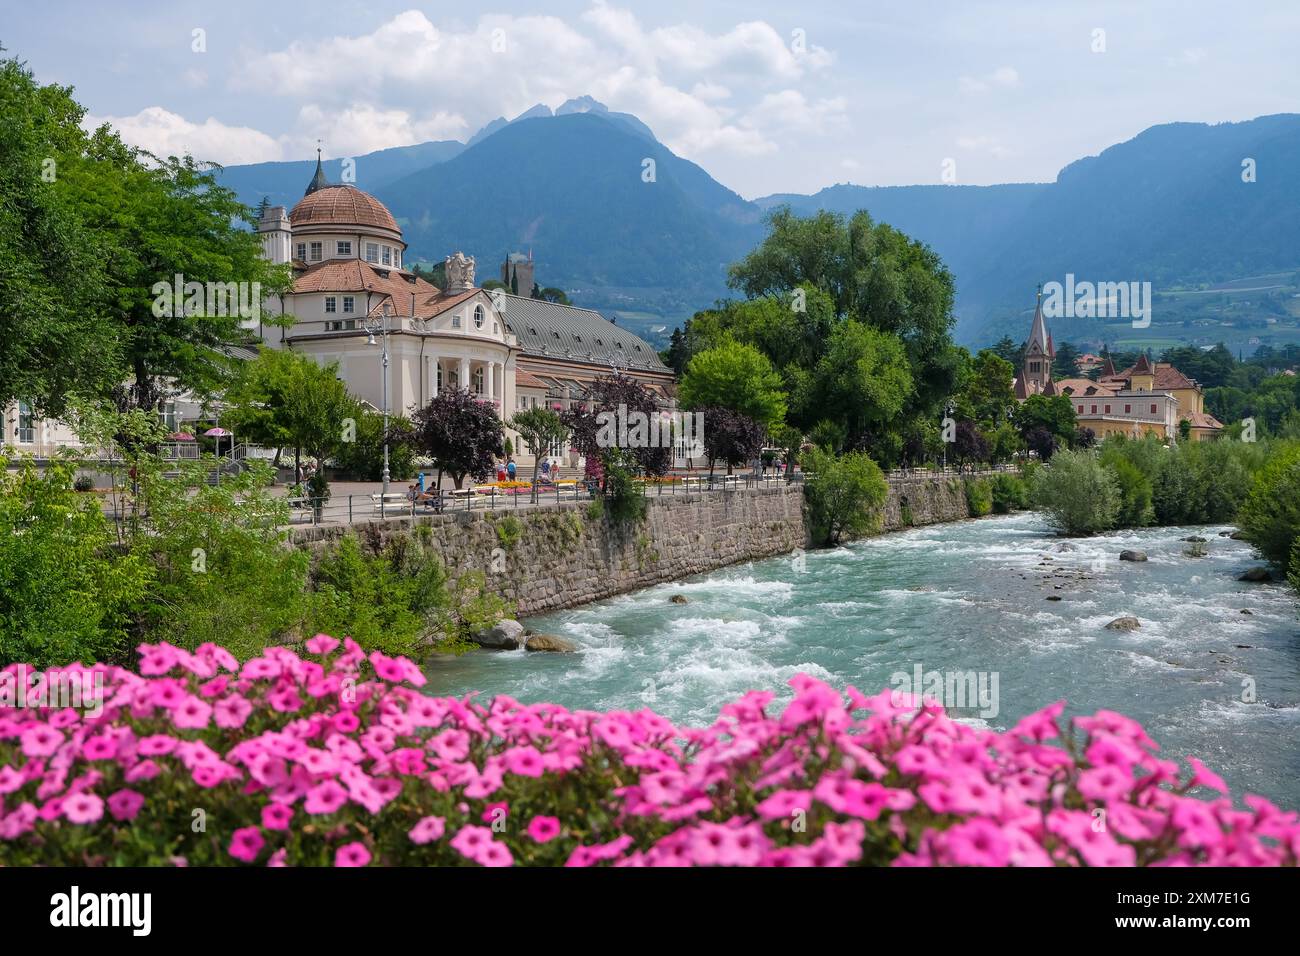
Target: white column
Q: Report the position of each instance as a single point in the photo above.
(490, 379)
(433, 376)
(465, 382)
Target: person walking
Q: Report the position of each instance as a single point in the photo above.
(510, 467)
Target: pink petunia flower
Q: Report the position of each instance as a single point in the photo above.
(246, 843)
(544, 829)
(428, 830)
(125, 804)
(351, 855)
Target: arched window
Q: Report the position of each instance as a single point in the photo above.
(478, 380)
(478, 316)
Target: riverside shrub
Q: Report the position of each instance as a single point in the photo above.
(1077, 493)
(1009, 493)
(336, 758)
(979, 497)
(843, 492)
(1270, 516)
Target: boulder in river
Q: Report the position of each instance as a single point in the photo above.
(1257, 573)
(505, 635)
(678, 599)
(1126, 623)
(1195, 539)
(549, 642)
(1127, 555)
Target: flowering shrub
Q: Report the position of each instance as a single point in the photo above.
(338, 759)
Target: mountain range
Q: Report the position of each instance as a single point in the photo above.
(621, 223)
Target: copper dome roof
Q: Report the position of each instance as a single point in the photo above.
(342, 205)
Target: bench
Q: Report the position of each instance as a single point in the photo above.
(300, 509)
(394, 502)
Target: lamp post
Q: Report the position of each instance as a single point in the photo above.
(371, 328)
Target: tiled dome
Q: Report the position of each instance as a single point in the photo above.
(342, 205)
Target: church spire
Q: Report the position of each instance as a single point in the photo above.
(318, 181)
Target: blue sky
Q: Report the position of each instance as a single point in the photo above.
(768, 97)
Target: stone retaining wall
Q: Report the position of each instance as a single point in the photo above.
(565, 555)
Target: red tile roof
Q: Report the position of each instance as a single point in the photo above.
(355, 275)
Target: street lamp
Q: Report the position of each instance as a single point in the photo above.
(371, 328)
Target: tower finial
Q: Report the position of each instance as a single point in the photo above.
(318, 181)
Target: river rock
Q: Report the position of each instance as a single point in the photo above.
(1053, 597)
(504, 635)
(549, 642)
(1257, 573)
(678, 599)
(1246, 610)
(1238, 536)
(1126, 623)
(1132, 555)
(1195, 539)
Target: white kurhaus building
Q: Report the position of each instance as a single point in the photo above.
(349, 285)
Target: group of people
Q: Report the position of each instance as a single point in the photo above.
(506, 469)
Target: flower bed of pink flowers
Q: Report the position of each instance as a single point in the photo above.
(338, 759)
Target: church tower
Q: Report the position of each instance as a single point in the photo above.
(1039, 354)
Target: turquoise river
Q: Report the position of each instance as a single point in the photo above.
(1205, 677)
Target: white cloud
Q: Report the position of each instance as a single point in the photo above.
(166, 134)
(408, 80)
(1003, 78)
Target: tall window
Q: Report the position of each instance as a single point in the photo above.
(388, 255)
(330, 303)
(302, 251)
(372, 252)
(317, 251)
(349, 304)
(26, 424)
(478, 316)
(478, 380)
(343, 247)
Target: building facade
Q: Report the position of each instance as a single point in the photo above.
(351, 290)
(1149, 398)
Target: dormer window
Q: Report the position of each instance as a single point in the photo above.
(372, 252)
(478, 316)
(317, 251)
(343, 247)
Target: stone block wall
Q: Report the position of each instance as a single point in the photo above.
(564, 555)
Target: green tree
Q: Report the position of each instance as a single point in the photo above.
(65, 594)
(540, 428)
(317, 407)
(362, 458)
(865, 377)
(52, 281)
(843, 492)
(1270, 515)
(735, 376)
(1078, 494)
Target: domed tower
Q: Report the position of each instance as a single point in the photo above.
(339, 221)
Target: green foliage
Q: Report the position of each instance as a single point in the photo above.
(65, 595)
(51, 273)
(735, 376)
(595, 510)
(1270, 516)
(362, 459)
(843, 492)
(391, 601)
(540, 428)
(509, 531)
(1054, 413)
(224, 572)
(1078, 494)
(979, 497)
(624, 500)
(1009, 493)
(1203, 482)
